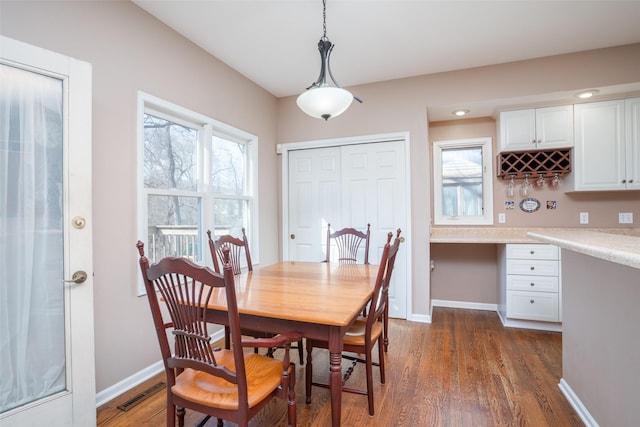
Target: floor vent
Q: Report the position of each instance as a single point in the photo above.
(141, 396)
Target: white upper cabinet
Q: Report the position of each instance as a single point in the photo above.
(607, 146)
(536, 129)
(632, 133)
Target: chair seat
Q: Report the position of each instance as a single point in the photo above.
(264, 375)
(355, 334)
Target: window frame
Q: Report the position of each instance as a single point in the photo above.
(207, 128)
(485, 144)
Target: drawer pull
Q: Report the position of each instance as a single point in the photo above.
(532, 268)
(533, 252)
(533, 284)
(531, 301)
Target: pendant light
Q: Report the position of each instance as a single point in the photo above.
(321, 100)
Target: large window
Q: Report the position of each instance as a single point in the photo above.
(462, 190)
(195, 175)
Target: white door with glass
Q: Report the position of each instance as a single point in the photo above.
(46, 283)
(349, 186)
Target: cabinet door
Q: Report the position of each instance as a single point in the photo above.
(517, 130)
(632, 124)
(516, 282)
(599, 153)
(532, 251)
(554, 127)
(533, 267)
(542, 306)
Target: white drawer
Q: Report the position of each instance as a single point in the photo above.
(532, 283)
(541, 306)
(536, 267)
(532, 251)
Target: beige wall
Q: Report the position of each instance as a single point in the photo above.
(467, 273)
(600, 348)
(131, 51)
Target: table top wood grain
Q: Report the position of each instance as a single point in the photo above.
(314, 292)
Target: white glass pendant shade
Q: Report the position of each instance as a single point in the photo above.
(324, 102)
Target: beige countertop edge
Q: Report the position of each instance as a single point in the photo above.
(620, 249)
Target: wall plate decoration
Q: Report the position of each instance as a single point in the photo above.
(551, 204)
(529, 205)
(509, 204)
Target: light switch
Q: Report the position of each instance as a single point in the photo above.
(502, 218)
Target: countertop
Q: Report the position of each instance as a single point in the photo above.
(512, 234)
(619, 245)
(623, 249)
(481, 235)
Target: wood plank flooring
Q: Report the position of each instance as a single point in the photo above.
(462, 370)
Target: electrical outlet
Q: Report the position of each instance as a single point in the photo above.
(502, 218)
(625, 218)
(584, 217)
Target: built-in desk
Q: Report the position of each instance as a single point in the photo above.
(470, 271)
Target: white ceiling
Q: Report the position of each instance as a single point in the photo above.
(274, 43)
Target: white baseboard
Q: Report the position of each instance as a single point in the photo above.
(529, 324)
(128, 383)
(577, 405)
(420, 318)
(139, 377)
(464, 304)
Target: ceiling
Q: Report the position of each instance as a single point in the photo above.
(273, 43)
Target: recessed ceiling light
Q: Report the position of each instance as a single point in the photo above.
(460, 112)
(587, 93)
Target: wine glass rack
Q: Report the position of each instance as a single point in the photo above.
(546, 163)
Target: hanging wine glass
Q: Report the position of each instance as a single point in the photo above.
(524, 188)
(540, 181)
(511, 188)
(555, 180)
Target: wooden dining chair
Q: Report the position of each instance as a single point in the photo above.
(385, 330)
(217, 382)
(364, 333)
(236, 247)
(347, 242)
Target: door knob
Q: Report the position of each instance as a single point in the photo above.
(292, 236)
(78, 277)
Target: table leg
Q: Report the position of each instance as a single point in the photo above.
(335, 375)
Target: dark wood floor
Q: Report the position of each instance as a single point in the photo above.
(463, 369)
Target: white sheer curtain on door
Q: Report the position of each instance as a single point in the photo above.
(32, 322)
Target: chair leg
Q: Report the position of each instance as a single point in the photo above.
(181, 413)
(291, 400)
(301, 352)
(369, 369)
(381, 362)
(171, 414)
(308, 373)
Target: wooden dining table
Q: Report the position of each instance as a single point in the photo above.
(319, 300)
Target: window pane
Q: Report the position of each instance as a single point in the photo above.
(173, 225)
(228, 167)
(170, 155)
(462, 182)
(230, 216)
